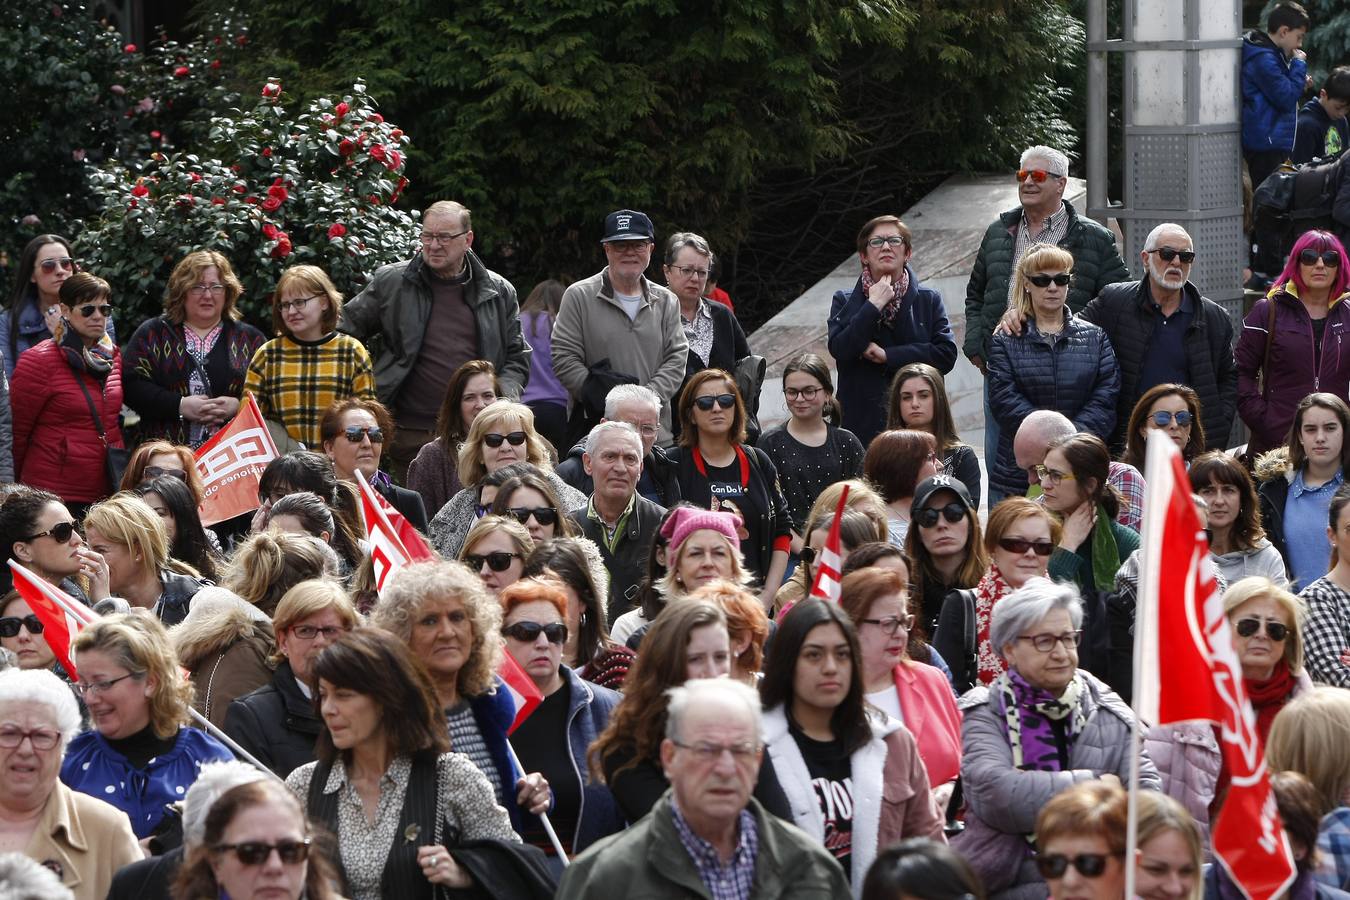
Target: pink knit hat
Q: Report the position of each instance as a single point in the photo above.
(688, 519)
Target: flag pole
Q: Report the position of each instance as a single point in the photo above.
(209, 727)
(543, 817)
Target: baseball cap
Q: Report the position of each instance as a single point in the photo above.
(628, 225)
(930, 486)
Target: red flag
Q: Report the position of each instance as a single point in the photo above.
(523, 691)
(232, 462)
(57, 612)
(412, 539)
(827, 584)
(1181, 619)
(387, 551)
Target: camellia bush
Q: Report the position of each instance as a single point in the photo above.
(269, 188)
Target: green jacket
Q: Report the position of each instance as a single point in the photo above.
(396, 305)
(1096, 263)
(649, 861)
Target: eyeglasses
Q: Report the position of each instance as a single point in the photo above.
(310, 632)
(1330, 258)
(1022, 545)
(9, 625)
(891, 624)
(1170, 253)
(42, 738)
(1044, 643)
(355, 434)
(297, 304)
(691, 271)
(877, 243)
(1089, 865)
(58, 262)
(1245, 628)
(494, 440)
(103, 309)
(441, 238)
(89, 688)
(528, 632)
(255, 853)
(544, 515)
(646, 430)
(806, 393)
(200, 289)
(497, 561)
(1036, 175)
(1051, 476)
(1042, 280)
(60, 533)
(1162, 418)
(160, 471)
(709, 752)
(726, 401)
(928, 516)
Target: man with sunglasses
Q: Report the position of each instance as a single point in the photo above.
(432, 314)
(1044, 217)
(618, 327)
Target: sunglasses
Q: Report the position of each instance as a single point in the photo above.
(51, 265)
(544, 515)
(1054, 865)
(158, 471)
(255, 853)
(1245, 628)
(1170, 253)
(528, 632)
(103, 309)
(354, 434)
(1036, 175)
(726, 401)
(59, 533)
(1162, 418)
(1330, 258)
(1062, 279)
(928, 516)
(497, 561)
(1022, 545)
(494, 440)
(9, 625)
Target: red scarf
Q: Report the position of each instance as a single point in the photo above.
(1269, 697)
(991, 589)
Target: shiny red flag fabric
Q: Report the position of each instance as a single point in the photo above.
(232, 462)
(55, 610)
(827, 585)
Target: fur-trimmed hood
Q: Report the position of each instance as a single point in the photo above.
(1273, 464)
(217, 620)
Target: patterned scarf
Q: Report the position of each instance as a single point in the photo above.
(96, 360)
(991, 589)
(199, 383)
(1027, 713)
(901, 286)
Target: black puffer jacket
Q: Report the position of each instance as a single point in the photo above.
(276, 723)
(1125, 312)
(1073, 372)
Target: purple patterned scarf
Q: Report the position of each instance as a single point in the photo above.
(1028, 712)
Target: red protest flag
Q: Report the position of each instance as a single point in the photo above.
(524, 691)
(416, 545)
(232, 462)
(828, 583)
(387, 551)
(1181, 619)
(57, 611)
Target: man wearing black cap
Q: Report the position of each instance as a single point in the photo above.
(616, 327)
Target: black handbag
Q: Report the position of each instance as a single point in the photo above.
(115, 459)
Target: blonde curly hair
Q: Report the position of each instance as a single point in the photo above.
(140, 644)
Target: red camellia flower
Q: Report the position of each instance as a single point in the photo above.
(267, 151)
(251, 201)
(218, 201)
(155, 135)
(181, 72)
(277, 192)
(194, 176)
(131, 204)
(395, 160)
(283, 247)
(271, 204)
(341, 109)
(240, 189)
(337, 230)
(215, 64)
(140, 190)
(270, 231)
(129, 48)
(377, 151)
(271, 89)
(396, 134)
(375, 117)
(346, 147)
(242, 39)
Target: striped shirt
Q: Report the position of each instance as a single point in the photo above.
(467, 739)
(295, 381)
(1052, 231)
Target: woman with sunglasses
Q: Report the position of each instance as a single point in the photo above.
(919, 401)
(834, 759)
(501, 435)
(1170, 408)
(189, 541)
(353, 432)
(1040, 727)
(66, 399)
(718, 470)
(154, 459)
(945, 546)
(39, 533)
(434, 472)
(530, 500)
(496, 549)
(21, 634)
(1237, 544)
(1304, 311)
(1019, 539)
(1328, 600)
(186, 368)
(1059, 362)
(308, 366)
(33, 310)
(1080, 840)
(1266, 623)
(886, 322)
(554, 739)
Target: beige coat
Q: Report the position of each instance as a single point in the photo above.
(84, 840)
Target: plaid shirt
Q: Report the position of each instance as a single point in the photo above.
(1129, 482)
(734, 881)
(1326, 636)
(1333, 845)
(295, 382)
(1052, 232)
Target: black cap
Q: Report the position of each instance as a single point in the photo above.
(930, 486)
(628, 225)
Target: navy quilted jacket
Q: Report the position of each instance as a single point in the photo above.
(1073, 372)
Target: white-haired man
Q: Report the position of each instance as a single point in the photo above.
(707, 837)
(640, 407)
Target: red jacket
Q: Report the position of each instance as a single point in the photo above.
(56, 446)
(930, 713)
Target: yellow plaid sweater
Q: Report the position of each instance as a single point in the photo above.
(295, 381)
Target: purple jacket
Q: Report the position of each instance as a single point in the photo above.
(1291, 375)
(543, 386)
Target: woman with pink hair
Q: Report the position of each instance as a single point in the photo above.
(1296, 341)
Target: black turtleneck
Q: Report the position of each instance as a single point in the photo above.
(143, 746)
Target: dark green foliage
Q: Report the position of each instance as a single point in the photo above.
(1328, 41)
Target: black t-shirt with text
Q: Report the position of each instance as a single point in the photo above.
(831, 773)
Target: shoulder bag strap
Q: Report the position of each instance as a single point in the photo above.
(971, 633)
(93, 411)
(1270, 339)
